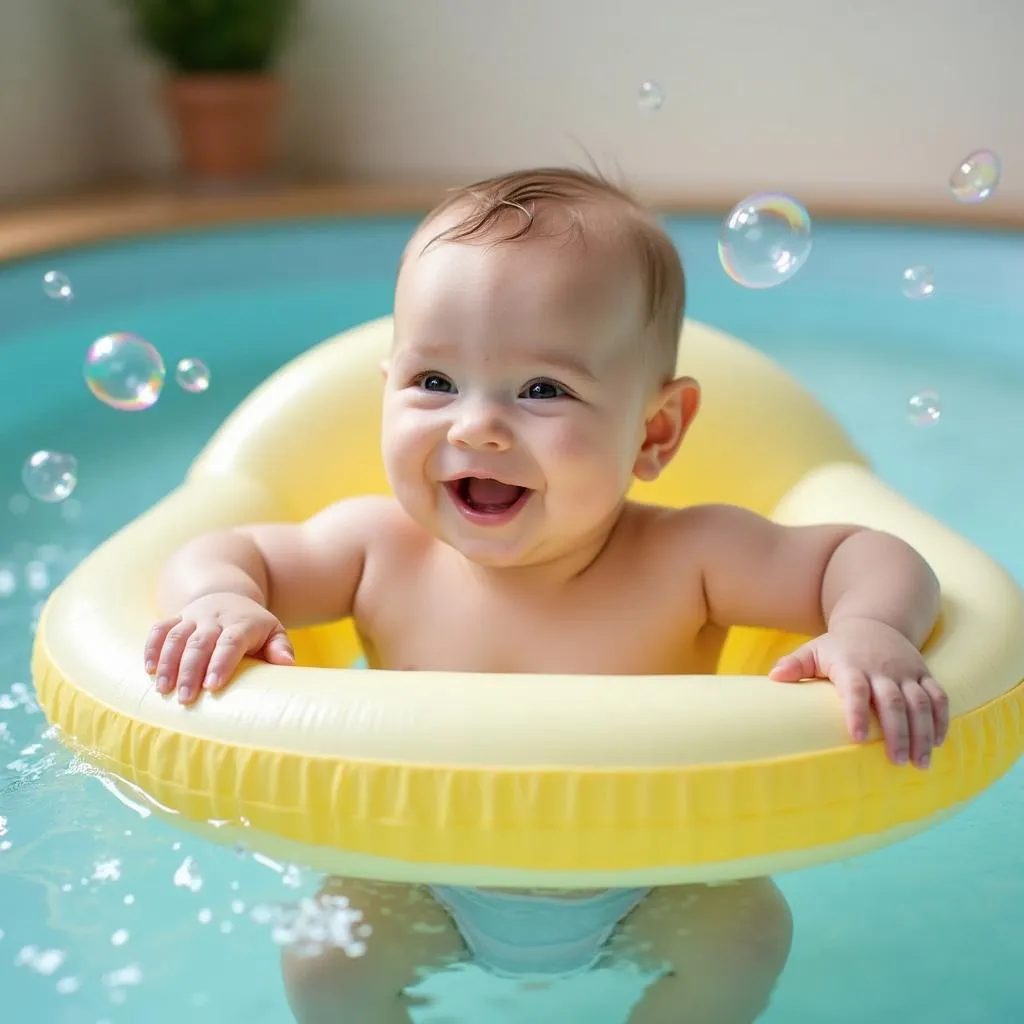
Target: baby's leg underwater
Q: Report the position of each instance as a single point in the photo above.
(410, 933)
(723, 946)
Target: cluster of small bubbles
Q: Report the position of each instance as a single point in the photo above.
(57, 286)
(650, 97)
(192, 375)
(924, 408)
(19, 696)
(67, 986)
(765, 240)
(187, 876)
(107, 870)
(310, 926)
(205, 916)
(237, 907)
(120, 937)
(42, 961)
(129, 900)
(976, 177)
(8, 579)
(918, 282)
(50, 476)
(292, 877)
(124, 372)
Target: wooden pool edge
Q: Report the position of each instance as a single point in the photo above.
(45, 225)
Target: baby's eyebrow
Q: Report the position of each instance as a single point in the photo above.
(570, 363)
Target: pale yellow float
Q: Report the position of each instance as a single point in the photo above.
(527, 780)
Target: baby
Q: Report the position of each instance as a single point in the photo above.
(532, 378)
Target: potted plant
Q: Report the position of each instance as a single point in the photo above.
(222, 92)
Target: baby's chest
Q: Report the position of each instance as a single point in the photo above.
(620, 634)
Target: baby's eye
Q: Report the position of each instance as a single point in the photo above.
(436, 382)
(544, 389)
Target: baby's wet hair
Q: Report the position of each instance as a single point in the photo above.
(512, 206)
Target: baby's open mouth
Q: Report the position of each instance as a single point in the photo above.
(485, 496)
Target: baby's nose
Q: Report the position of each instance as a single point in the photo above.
(480, 428)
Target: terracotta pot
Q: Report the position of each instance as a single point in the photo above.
(227, 124)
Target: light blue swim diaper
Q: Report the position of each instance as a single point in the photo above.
(513, 934)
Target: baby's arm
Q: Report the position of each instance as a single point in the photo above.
(870, 596)
(232, 592)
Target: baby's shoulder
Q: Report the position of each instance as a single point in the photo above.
(663, 529)
(378, 522)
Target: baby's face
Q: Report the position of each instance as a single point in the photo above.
(517, 396)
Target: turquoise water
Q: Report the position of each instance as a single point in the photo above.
(93, 926)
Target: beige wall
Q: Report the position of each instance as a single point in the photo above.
(829, 98)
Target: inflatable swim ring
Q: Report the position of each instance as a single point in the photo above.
(526, 780)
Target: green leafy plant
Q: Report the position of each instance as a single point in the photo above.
(211, 36)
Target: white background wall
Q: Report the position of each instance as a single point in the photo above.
(866, 101)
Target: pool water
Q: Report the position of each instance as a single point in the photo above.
(109, 914)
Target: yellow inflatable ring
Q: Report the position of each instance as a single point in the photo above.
(527, 780)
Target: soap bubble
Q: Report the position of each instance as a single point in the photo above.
(976, 177)
(918, 282)
(50, 476)
(765, 240)
(192, 375)
(924, 409)
(650, 98)
(57, 286)
(124, 371)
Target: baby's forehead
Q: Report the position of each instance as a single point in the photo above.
(569, 266)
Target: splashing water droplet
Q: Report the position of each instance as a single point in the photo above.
(187, 876)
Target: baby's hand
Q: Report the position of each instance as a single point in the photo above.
(202, 647)
(872, 663)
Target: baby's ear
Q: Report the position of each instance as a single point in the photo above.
(671, 413)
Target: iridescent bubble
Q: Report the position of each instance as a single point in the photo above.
(918, 282)
(976, 177)
(57, 286)
(192, 375)
(765, 240)
(50, 476)
(924, 409)
(124, 371)
(650, 97)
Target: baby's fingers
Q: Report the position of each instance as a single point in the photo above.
(940, 708)
(892, 714)
(155, 642)
(170, 654)
(233, 645)
(921, 720)
(192, 670)
(855, 692)
(278, 649)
